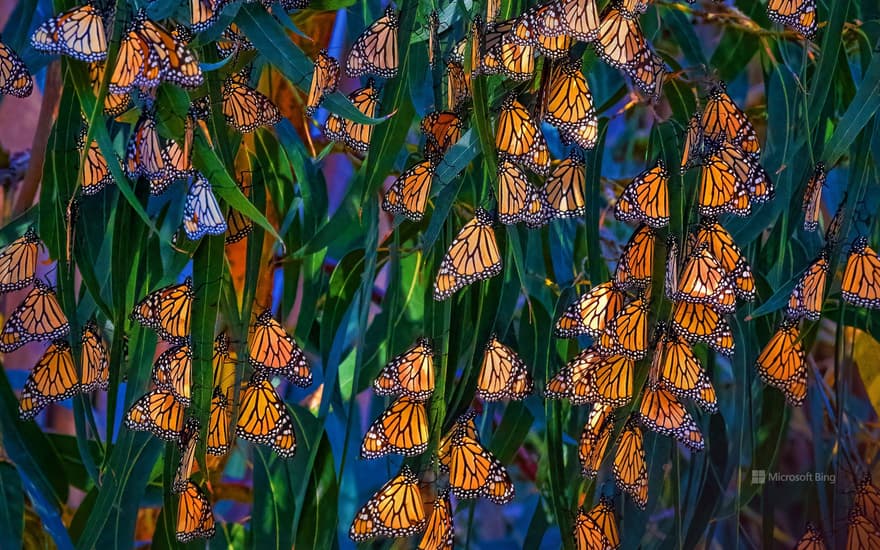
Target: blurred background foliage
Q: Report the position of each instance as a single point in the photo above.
(354, 287)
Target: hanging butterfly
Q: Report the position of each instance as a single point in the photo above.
(265, 420)
(114, 104)
(504, 56)
(238, 226)
(273, 352)
(245, 108)
(18, 261)
(54, 378)
(219, 424)
(568, 105)
(95, 173)
(861, 278)
(473, 470)
(693, 153)
(862, 533)
(458, 85)
(354, 134)
(572, 382)
(440, 533)
(472, 256)
(630, 468)
(173, 372)
(201, 212)
(442, 130)
(681, 372)
(799, 15)
(77, 32)
(627, 332)
(809, 293)
(519, 139)
(646, 198)
(725, 250)
(564, 188)
(812, 539)
(411, 373)
(636, 260)
(325, 79)
(233, 40)
(15, 78)
(603, 515)
(195, 517)
(579, 19)
(723, 121)
(375, 50)
(408, 195)
(159, 413)
(503, 374)
(189, 438)
(95, 372)
(731, 181)
(594, 377)
(696, 322)
(39, 317)
(813, 197)
(167, 311)
(146, 156)
(867, 499)
(519, 200)
(781, 363)
(595, 438)
(394, 511)
(402, 429)
(704, 280)
(661, 412)
(588, 535)
(621, 44)
(204, 13)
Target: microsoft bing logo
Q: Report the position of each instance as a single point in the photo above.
(759, 477)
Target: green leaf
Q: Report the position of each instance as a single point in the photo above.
(12, 511)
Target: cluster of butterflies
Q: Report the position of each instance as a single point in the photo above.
(263, 417)
(472, 471)
(57, 374)
(863, 522)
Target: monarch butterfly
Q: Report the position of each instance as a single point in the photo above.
(114, 104)
(472, 256)
(503, 374)
(781, 363)
(813, 196)
(411, 373)
(627, 332)
(730, 181)
(568, 105)
(95, 374)
(273, 352)
(861, 278)
(440, 533)
(375, 50)
(564, 188)
(588, 535)
(218, 426)
(38, 317)
(408, 195)
(173, 372)
(670, 278)
(238, 226)
(167, 311)
(694, 141)
(442, 130)
(812, 539)
(150, 55)
(394, 511)
(325, 78)
(594, 439)
(95, 173)
(54, 378)
(637, 259)
(579, 19)
(807, 296)
(723, 120)
(265, 420)
(201, 212)
(146, 156)
(540, 21)
(867, 500)
(458, 84)
(681, 372)
(355, 134)
(519, 139)
(232, 40)
(503, 56)
(862, 533)
(18, 261)
(621, 44)
(800, 15)
(473, 470)
(246, 109)
(223, 363)
(572, 382)
(630, 468)
(603, 514)
(159, 413)
(519, 200)
(634, 8)
(646, 198)
(725, 250)
(703, 280)
(204, 13)
(663, 413)
(189, 438)
(195, 517)
(402, 428)
(15, 78)
(77, 32)
(179, 163)
(701, 323)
